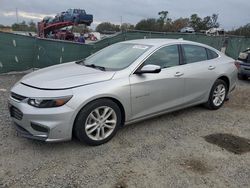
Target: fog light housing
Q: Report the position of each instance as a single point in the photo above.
(39, 128)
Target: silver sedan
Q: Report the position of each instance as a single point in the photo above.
(121, 84)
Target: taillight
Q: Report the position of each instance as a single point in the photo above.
(237, 64)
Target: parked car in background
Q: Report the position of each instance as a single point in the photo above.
(78, 16)
(243, 64)
(48, 19)
(93, 36)
(122, 84)
(64, 34)
(215, 31)
(187, 30)
(97, 35)
(57, 18)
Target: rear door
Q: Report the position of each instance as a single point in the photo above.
(156, 92)
(199, 72)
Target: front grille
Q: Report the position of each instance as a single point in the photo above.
(16, 113)
(17, 97)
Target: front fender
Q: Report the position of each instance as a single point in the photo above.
(115, 89)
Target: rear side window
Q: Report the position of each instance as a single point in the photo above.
(211, 54)
(193, 53)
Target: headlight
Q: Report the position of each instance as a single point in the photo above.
(48, 103)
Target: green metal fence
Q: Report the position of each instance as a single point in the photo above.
(16, 52)
(236, 45)
(50, 52)
(19, 53)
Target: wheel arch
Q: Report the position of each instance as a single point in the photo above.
(123, 114)
(221, 77)
(226, 80)
(120, 105)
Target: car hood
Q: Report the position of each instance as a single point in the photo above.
(65, 76)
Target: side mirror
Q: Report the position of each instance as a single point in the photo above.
(149, 69)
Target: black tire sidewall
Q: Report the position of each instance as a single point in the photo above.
(210, 103)
(242, 77)
(79, 127)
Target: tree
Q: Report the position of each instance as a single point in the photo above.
(164, 22)
(5, 28)
(81, 29)
(32, 26)
(149, 24)
(20, 26)
(107, 27)
(214, 21)
(179, 23)
(205, 23)
(242, 31)
(195, 22)
(127, 26)
(163, 15)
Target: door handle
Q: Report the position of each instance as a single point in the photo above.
(211, 67)
(178, 74)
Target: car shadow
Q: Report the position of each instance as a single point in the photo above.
(76, 144)
(243, 82)
(175, 114)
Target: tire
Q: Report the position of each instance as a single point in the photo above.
(211, 103)
(242, 77)
(90, 129)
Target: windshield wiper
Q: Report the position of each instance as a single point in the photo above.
(95, 66)
(82, 62)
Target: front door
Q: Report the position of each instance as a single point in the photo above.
(156, 92)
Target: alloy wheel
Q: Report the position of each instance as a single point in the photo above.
(100, 123)
(219, 95)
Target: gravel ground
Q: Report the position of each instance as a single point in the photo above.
(168, 151)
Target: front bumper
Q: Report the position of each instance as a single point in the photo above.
(46, 124)
(26, 134)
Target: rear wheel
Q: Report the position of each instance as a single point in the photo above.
(98, 122)
(217, 95)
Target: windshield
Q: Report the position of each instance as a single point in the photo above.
(117, 56)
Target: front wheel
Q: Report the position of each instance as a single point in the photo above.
(217, 95)
(98, 122)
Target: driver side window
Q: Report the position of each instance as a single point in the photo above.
(165, 57)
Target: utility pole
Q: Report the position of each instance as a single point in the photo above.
(121, 21)
(16, 15)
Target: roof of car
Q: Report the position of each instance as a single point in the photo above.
(161, 42)
(158, 42)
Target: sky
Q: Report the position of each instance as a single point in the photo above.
(232, 13)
